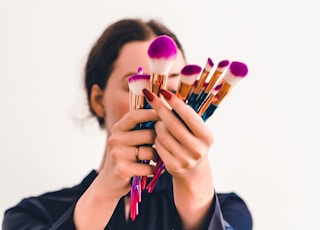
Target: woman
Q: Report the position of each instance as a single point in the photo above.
(184, 197)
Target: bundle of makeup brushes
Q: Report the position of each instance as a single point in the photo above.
(201, 88)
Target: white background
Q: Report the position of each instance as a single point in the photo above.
(266, 131)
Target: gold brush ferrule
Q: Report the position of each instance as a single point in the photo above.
(223, 91)
(213, 81)
(183, 91)
(157, 82)
(136, 102)
(201, 81)
(204, 106)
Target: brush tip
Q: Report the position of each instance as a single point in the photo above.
(217, 87)
(238, 69)
(209, 65)
(190, 70)
(210, 62)
(140, 70)
(138, 82)
(138, 77)
(223, 63)
(189, 73)
(162, 46)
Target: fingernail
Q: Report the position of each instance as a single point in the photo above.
(166, 94)
(148, 95)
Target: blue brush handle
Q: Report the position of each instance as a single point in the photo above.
(210, 110)
(192, 99)
(200, 100)
(148, 124)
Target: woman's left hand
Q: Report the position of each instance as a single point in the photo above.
(182, 143)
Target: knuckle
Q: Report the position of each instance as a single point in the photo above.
(150, 135)
(210, 140)
(114, 156)
(197, 155)
(121, 170)
(112, 141)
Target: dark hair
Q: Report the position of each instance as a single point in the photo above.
(104, 53)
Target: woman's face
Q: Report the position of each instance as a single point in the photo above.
(116, 94)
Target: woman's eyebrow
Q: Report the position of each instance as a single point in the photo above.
(174, 74)
(128, 75)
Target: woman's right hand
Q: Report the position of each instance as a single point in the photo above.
(96, 206)
(121, 160)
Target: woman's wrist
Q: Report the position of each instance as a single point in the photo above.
(105, 188)
(201, 170)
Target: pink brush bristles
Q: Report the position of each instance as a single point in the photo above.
(162, 53)
(162, 46)
(236, 72)
(140, 70)
(188, 76)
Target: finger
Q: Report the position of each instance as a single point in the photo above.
(187, 154)
(124, 162)
(131, 138)
(173, 123)
(167, 140)
(131, 169)
(145, 153)
(186, 135)
(130, 120)
(186, 113)
(172, 164)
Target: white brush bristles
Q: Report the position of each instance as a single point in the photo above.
(221, 69)
(161, 66)
(188, 79)
(137, 85)
(208, 67)
(230, 78)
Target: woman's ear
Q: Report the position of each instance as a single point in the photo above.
(96, 101)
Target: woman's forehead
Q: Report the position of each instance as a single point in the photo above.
(134, 55)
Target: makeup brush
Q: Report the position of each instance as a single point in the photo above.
(136, 84)
(159, 168)
(222, 65)
(204, 74)
(135, 197)
(140, 70)
(188, 75)
(205, 84)
(162, 53)
(235, 72)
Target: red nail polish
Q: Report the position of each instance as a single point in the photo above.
(148, 95)
(166, 94)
